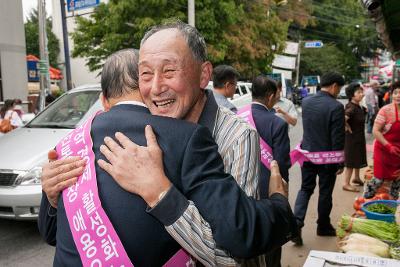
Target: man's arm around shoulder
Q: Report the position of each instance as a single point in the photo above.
(241, 225)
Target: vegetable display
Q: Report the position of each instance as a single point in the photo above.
(381, 208)
(379, 229)
(395, 252)
(364, 245)
(359, 201)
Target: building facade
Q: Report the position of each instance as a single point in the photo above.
(80, 73)
(13, 70)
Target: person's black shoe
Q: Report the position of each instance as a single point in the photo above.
(326, 231)
(297, 240)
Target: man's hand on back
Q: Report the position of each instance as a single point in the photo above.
(137, 169)
(60, 174)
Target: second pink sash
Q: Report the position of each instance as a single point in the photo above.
(266, 151)
(319, 158)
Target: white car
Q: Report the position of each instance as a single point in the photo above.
(24, 150)
(242, 96)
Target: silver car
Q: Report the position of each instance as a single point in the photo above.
(24, 150)
(242, 96)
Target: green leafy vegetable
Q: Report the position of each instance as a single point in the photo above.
(382, 230)
(381, 208)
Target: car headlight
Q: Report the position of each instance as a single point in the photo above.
(30, 177)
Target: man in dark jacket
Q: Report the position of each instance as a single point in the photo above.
(323, 130)
(274, 131)
(144, 238)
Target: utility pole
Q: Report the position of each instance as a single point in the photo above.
(66, 46)
(44, 55)
(298, 61)
(191, 16)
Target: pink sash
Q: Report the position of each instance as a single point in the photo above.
(266, 151)
(319, 158)
(95, 238)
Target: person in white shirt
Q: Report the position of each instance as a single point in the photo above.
(224, 81)
(371, 100)
(9, 113)
(285, 108)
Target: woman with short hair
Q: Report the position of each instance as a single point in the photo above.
(354, 148)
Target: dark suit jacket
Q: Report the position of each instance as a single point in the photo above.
(323, 123)
(274, 131)
(193, 164)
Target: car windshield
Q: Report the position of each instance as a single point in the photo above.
(67, 111)
(310, 80)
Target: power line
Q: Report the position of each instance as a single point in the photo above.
(322, 19)
(335, 9)
(318, 4)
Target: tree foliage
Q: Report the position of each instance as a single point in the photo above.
(237, 32)
(32, 38)
(316, 61)
(344, 25)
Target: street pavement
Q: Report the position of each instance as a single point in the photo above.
(21, 244)
(293, 256)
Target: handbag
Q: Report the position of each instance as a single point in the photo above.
(5, 126)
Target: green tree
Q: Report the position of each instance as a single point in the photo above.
(316, 61)
(344, 25)
(237, 32)
(32, 38)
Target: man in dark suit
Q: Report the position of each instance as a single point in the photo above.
(195, 168)
(274, 131)
(323, 130)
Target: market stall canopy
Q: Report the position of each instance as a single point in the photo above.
(33, 74)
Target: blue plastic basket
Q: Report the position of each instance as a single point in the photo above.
(379, 216)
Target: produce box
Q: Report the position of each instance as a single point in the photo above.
(318, 258)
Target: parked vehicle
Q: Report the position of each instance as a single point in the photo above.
(311, 82)
(342, 93)
(24, 150)
(287, 86)
(242, 96)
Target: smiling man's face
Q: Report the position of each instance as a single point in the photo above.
(169, 76)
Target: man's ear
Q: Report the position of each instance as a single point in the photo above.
(205, 76)
(269, 99)
(104, 102)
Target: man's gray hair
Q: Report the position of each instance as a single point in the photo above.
(120, 73)
(193, 38)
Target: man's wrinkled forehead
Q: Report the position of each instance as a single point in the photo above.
(167, 43)
(162, 38)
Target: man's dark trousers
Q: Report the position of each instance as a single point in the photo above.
(327, 179)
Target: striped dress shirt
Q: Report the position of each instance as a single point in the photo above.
(238, 144)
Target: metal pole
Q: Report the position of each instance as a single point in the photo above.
(191, 13)
(298, 64)
(44, 55)
(66, 46)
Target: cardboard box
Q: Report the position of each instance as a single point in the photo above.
(333, 259)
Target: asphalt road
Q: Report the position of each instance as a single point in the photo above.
(21, 244)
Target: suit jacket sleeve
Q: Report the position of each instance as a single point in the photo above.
(337, 130)
(241, 225)
(47, 222)
(281, 144)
